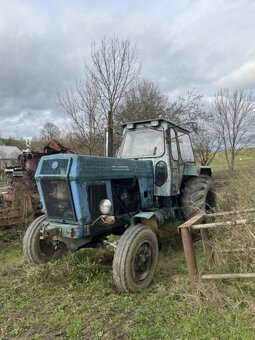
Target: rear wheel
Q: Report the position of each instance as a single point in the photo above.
(135, 259)
(198, 196)
(37, 250)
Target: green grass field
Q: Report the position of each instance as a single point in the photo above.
(74, 298)
(244, 161)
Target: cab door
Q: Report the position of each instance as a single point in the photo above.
(176, 162)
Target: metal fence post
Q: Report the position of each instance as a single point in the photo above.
(190, 257)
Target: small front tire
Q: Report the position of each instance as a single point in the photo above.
(39, 251)
(135, 259)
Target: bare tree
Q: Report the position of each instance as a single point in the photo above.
(50, 131)
(206, 144)
(143, 101)
(188, 108)
(146, 101)
(234, 121)
(81, 105)
(112, 71)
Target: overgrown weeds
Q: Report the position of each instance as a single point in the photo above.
(233, 246)
(235, 190)
(74, 298)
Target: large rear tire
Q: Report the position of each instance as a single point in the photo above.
(198, 196)
(39, 251)
(135, 259)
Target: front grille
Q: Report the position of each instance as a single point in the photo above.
(58, 199)
(96, 193)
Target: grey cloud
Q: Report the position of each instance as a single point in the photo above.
(201, 44)
(242, 77)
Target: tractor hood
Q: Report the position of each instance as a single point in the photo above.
(91, 168)
(72, 186)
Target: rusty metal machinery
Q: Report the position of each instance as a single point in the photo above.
(19, 198)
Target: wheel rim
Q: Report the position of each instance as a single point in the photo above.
(142, 262)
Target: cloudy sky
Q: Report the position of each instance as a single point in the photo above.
(184, 44)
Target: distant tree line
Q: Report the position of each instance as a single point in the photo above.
(9, 141)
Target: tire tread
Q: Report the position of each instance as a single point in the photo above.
(121, 258)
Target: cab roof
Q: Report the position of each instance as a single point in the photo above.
(156, 119)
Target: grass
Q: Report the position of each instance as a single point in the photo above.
(74, 298)
(245, 160)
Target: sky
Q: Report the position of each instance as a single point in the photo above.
(183, 45)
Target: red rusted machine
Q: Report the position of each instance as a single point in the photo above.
(19, 199)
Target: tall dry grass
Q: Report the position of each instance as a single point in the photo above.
(233, 246)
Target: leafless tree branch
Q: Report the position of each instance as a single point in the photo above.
(234, 121)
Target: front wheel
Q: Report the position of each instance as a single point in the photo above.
(37, 250)
(135, 259)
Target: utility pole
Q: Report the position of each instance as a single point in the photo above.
(109, 136)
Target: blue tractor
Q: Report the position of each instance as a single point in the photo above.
(153, 180)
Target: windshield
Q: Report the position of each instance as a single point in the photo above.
(142, 143)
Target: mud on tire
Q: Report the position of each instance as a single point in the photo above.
(198, 196)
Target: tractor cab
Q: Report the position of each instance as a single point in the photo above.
(169, 148)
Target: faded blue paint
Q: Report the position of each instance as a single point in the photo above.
(84, 170)
(41, 194)
(67, 230)
(146, 192)
(80, 200)
(38, 174)
(39, 170)
(92, 168)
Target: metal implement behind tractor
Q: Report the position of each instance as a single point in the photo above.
(19, 198)
(154, 180)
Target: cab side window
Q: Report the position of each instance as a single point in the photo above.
(186, 150)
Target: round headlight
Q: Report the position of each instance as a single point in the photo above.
(105, 206)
